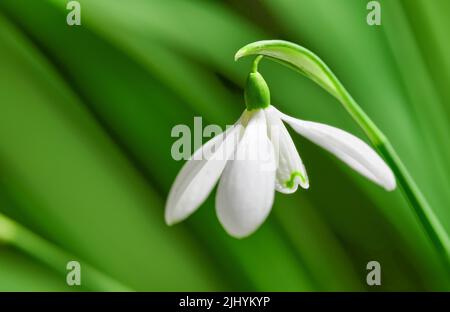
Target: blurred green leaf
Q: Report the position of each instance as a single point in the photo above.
(95, 106)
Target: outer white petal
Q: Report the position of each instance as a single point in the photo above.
(290, 169)
(199, 175)
(350, 149)
(246, 190)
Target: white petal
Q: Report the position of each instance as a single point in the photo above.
(350, 149)
(290, 169)
(246, 190)
(200, 174)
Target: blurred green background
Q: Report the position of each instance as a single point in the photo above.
(86, 114)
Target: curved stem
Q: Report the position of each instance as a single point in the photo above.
(23, 239)
(310, 65)
(256, 63)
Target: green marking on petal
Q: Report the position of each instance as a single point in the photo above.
(291, 182)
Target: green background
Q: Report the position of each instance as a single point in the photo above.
(86, 114)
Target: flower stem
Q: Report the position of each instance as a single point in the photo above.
(52, 256)
(256, 63)
(310, 65)
(428, 219)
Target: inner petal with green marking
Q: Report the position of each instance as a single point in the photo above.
(289, 163)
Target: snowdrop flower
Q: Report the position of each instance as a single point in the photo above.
(257, 157)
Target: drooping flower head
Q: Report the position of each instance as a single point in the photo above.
(256, 157)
